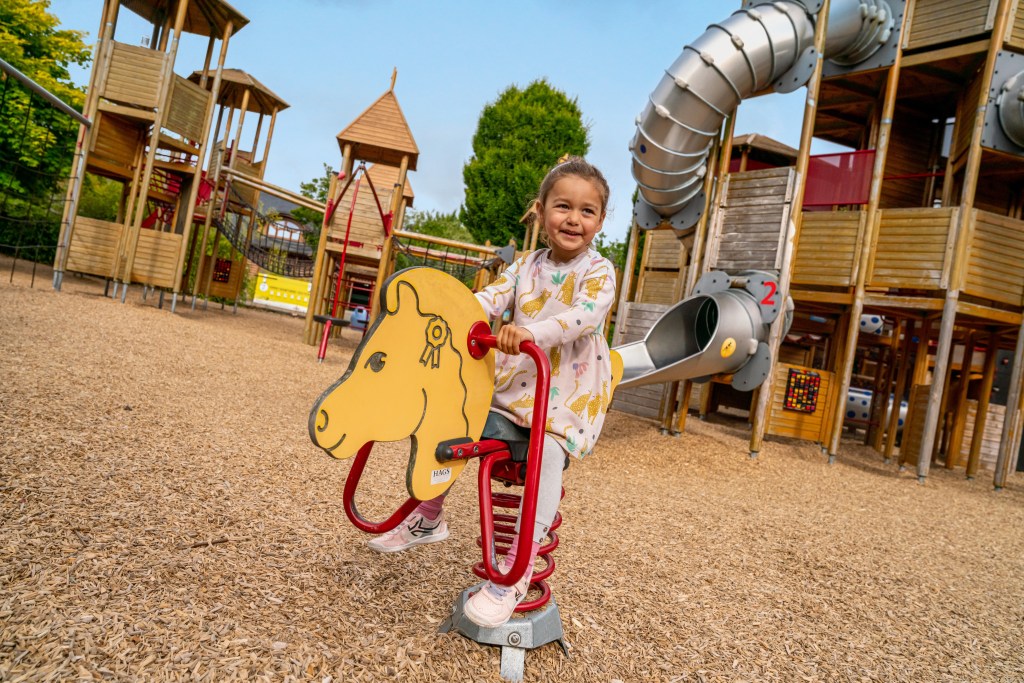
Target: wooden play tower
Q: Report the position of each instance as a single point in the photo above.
(150, 133)
(920, 223)
(235, 175)
(378, 151)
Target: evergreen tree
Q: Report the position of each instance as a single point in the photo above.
(518, 138)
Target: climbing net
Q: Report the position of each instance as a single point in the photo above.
(275, 245)
(37, 148)
(462, 261)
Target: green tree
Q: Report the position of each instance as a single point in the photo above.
(36, 141)
(437, 224)
(317, 189)
(33, 135)
(518, 138)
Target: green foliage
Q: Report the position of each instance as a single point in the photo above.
(36, 141)
(317, 189)
(614, 251)
(518, 138)
(100, 198)
(437, 224)
(443, 225)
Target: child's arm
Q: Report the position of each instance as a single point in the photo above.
(586, 314)
(497, 296)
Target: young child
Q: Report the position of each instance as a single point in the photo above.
(559, 298)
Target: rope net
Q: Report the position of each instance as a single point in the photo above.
(37, 147)
(273, 247)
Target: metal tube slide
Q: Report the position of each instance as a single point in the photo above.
(699, 337)
(762, 46)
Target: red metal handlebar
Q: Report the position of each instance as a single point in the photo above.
(349, 498)
(481, 341)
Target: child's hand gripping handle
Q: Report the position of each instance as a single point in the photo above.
(480, 342)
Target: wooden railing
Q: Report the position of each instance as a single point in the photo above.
(995, 258)
(829, 248)
(134, 76)
(913, 248)
(940, 21)
(186, 109)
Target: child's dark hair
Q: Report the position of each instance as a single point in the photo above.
(570, 166)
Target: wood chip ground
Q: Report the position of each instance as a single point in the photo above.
(164, 516)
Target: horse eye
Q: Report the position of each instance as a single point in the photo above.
(376, 361)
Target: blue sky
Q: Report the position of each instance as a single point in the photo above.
(330, 59)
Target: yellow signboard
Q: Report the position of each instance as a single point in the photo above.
(282, 293)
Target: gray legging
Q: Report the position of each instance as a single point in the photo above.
(549, 489)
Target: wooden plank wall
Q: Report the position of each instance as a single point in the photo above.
(645, 401)
(134, 76)
(749, 231)
(114, 147)
(810, 426)
(913, 248)
(662, 279)
(942, 21)
(1016, 37)
(966, 108)
(225, 290)
(995, 259)
(186, 109)
(156, 258)
(829, 247)
(989, 440)
(913, 426)
(910, 148)
(93, 247)
(366, 237)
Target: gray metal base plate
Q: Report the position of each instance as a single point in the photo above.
(515, 637)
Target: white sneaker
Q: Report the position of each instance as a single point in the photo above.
(493, 605)
(414, 530)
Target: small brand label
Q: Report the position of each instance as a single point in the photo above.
(440, 476)
(728, 347)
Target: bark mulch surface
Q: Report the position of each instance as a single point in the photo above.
(164, 516)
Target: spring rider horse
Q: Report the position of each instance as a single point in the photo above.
(428, 355)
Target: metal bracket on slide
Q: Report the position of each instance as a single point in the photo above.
(683, 221)
(761, 285)
(799, 74)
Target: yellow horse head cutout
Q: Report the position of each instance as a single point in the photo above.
(412, 376)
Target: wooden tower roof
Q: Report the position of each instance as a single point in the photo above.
(203, 17)
(381, 135)
(233, 83)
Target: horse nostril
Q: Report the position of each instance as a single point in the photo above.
(323, 414)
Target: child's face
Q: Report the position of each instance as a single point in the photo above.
(571, 215)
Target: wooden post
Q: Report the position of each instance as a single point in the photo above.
(984, 397)
(1011, 421)
(903, 367)
(236, 150)
(762, 407)
(213, 195)
(845, 371)
(84, 141)
(167, 76)
(624, 286)
(321, 266)
(202, 156)
(696, 261)
(956, 435)
(382, 274)
(963, 219)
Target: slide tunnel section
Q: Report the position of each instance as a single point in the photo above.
(764, 46)
(721, 330)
